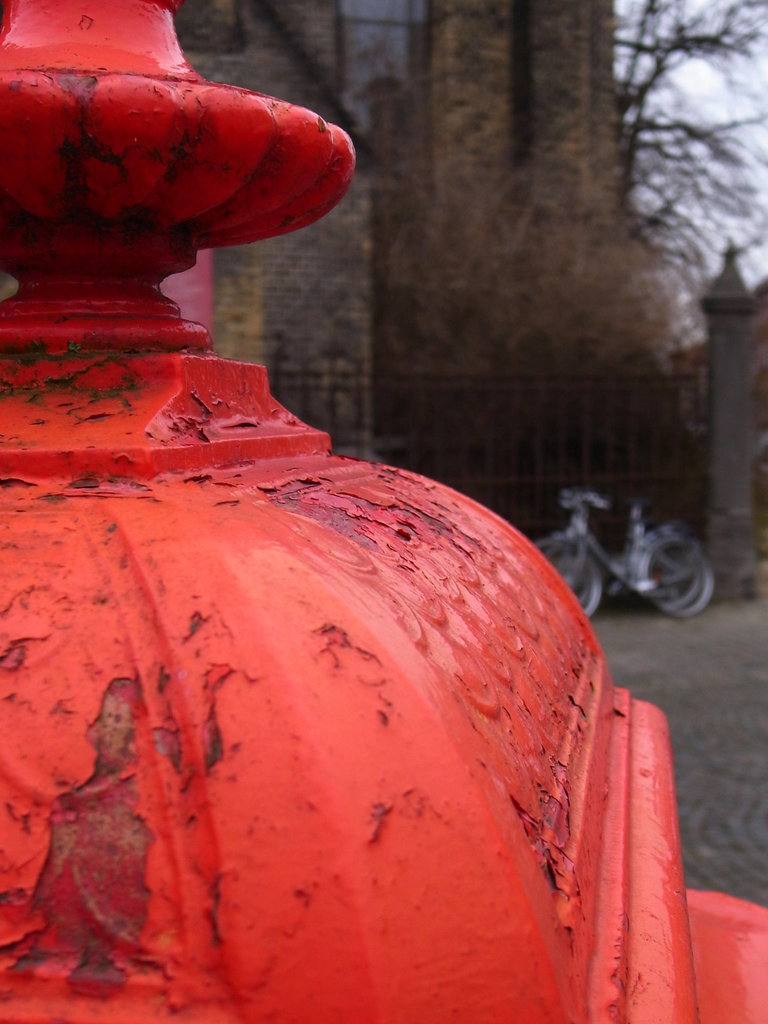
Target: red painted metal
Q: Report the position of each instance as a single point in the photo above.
(111, 180)
(192, 291)
(730, 940)
(286, 736)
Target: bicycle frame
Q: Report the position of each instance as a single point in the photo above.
(663, 563)
(624, 567)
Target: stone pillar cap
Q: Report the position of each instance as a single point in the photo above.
(728, 293)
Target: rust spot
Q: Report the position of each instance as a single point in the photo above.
(338, 640)
(20, 819)
(86, 483)
(95, 417)
(533, 832)
(60, 708)
(96, 978)
(416, 805)
(578, 706)
(554, 819)
(14, 898)
(549, 873)
(378, 813)
(197, 620)
(212, 741)
(163, 678)
(168, 744)
(12, 658)
(91, 892)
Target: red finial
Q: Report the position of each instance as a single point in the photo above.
(135, 36)
(119, 162)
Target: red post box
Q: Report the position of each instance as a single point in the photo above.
(285, 736)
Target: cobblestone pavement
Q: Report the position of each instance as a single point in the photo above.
(710, 676)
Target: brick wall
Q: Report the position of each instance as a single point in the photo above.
(306, 296)
(300, 295)
(470, 87)
(574, 150)
(571, 149)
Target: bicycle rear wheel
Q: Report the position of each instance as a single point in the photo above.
(578, 569)
(682, 572)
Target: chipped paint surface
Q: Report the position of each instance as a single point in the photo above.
(285, 737)
(219, 701)
(416, 689)
(114, 421)
(358, 697)
(91, 892)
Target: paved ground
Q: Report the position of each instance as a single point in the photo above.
(710, 676)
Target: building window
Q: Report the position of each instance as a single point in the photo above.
(382, 46)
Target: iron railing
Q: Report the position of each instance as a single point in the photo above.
(513, 443)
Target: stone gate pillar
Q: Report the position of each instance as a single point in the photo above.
(729, 308)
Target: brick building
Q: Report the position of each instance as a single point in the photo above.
(303, 295)
(477, 85)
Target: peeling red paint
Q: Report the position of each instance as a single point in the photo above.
(336, 641)
(13, 656)
(379, 813)
(90, 901)
(123, 451)
(426, 693)
(213, 744)
(168, 743)
(285, 736)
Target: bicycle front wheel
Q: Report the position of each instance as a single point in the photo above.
(578, 569)
(683, 575)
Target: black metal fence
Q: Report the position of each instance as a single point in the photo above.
(333, 395)
(513, 443)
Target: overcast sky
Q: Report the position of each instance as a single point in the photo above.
(708, 93)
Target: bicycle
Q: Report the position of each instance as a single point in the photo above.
(663, 563)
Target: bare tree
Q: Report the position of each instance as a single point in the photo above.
(685, 171)
(480, 283)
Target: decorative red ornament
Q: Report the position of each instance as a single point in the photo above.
(283, 736)
(120, 162)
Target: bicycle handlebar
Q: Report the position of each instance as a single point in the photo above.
(577, 497)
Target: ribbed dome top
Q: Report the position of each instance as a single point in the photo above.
(318, 723)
